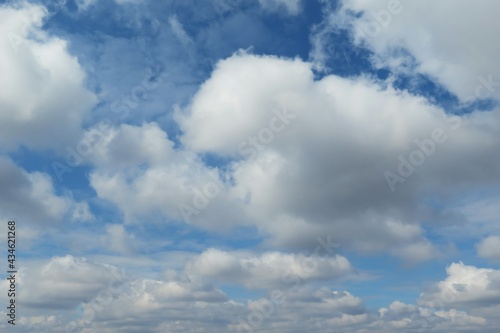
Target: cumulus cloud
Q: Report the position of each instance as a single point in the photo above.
(156, 305)
(269, 270)
(308, 158)
(489, 248)
(118, 240)
(63, 282)
(138, 169)
(176, 303)
(338, 149)
(400, 316)
(43, 98)
(128, 146)
(447, 39)
(465, 286)
(281, 312)
(233, 112)
(30, 197)
(36, 323)
(184, 301)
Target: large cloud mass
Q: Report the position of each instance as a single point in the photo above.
(348, 155)
(450, 40)
(43, 98)
(31, 198)
(345, 157)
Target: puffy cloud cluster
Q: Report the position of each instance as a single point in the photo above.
(31, 198)
(465, 286)
(184, 301)
(400, 316)
(138, 168)
(269, 270)
(358, 169)
(304, 309)
(43, 102)
(63, 282)
(43, 98)
(345, 165)
(448, 40)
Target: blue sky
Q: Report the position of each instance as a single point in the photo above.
(266, 165)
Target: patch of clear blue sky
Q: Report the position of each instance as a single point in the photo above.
(242, 294)
(185, 237)
(390, 280)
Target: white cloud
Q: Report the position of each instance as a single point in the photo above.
(222, 116)
(270, 269)
(304, 309)
(35, 323)
(448, 39)
(157, 305)
(138, 169)
(465, 286)
(489, 248)
(43, 98)
(31, 198)
(152, 304)
(417, 252)
(181, 302)
(400, 316)
(324, 172)
(62, 282)
(118, 240)
(129, 146)
(313, 159)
